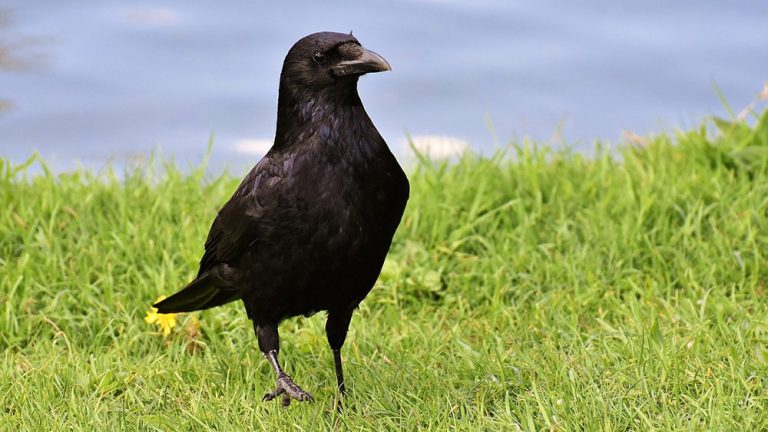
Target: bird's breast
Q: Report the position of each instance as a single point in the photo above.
(351, 205)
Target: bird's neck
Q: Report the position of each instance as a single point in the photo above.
(305, 114)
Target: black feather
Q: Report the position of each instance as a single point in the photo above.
(309, 227)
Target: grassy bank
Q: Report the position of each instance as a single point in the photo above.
(543, 290)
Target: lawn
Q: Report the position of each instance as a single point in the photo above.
(539, 289)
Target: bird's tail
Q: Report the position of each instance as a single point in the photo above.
(204, 292)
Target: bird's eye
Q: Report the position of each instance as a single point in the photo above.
(318, 58)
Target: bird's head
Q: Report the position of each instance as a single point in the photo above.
(328, 60)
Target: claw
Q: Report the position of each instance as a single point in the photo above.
(271, 395)
(286, 387)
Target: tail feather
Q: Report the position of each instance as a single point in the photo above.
(201, 293)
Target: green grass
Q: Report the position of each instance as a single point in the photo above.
(541, 290)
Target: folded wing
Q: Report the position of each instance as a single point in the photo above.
(235, 229)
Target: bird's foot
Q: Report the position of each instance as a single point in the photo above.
(286, 387)
(340, 398)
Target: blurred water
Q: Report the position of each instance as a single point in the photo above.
(124, 78)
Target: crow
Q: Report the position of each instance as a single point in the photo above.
(309, 227)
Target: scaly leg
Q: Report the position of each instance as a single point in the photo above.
(336, 330)
(269, 344)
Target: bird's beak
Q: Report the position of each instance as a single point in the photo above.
(368, 62)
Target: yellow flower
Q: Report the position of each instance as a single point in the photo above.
(166, 322)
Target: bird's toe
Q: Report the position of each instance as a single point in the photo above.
(286, 387)
(273, 394)
(297, 392)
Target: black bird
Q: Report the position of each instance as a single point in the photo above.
(309, 227)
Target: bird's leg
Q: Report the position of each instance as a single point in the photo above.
(336, 330)
(269, 344)
(284, 384)
(339, 372)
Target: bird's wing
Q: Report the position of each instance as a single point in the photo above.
(237, 225)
